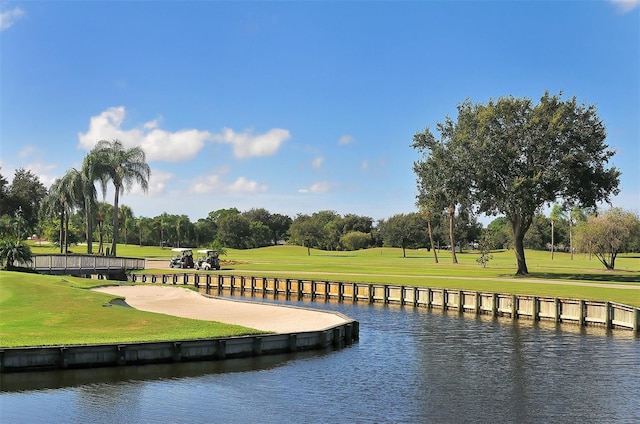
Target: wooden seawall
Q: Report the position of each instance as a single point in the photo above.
(575, 311)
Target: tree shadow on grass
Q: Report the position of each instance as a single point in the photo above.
(632, 277)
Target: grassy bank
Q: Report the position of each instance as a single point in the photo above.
(38, 310)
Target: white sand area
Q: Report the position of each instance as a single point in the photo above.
(182, 302)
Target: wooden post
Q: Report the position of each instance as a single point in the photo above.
(556, 303)
(371, 293)
(494, 304)
(477, 303)
(460, 301)
(354, 293)
(401, 295)
(514, 307)
(581, 312)
(607, 315)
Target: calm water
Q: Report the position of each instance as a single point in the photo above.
(410, 366)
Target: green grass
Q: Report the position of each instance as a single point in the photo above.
(39, 310)
(581, 277)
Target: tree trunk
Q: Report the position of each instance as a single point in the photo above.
(571, 237)
(61, 234)
(553, 246)
(89, 229)
(452, 211)
(435, 255)
(66, 233)
(115, 221)
(518, 236)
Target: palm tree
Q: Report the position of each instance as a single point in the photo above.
(86, 178)
(122, 167)
(126, 217)
(12, 250)
(60, 201)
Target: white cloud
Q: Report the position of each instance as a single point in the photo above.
(10, 17)
(177, 146)
(157, 183)
(625, 6)
(317, 162)
(319, 187)
(364, 165)
(214, 183)
(246, 144)
(158, 144)
(346, 139)
(206, 184)
(242, 185)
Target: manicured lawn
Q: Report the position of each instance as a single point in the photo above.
(582, 277)
(39, 310)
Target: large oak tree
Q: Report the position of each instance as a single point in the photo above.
(521, 156)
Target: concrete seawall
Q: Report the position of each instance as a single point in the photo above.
(119, 354)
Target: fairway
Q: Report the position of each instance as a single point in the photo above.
(581, 278)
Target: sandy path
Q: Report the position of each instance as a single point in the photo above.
(186, 303)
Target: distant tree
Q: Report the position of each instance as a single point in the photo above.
(442, 173)
(234, 231)
(575, 216)
(405, 231)
(352, 222)
(305, 231)
(608, 234)
(521, 156)
(127, 220)
(500, 233)
(260, 235)
(556, 214)
(24, 197)
(355, 240)
(279, 226)
(4, 195)
(538, 236)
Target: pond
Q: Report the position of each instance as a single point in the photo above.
(410, 365)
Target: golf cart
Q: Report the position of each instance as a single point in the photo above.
(208, 260)
(183, 258)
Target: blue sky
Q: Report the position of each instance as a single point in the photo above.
(296, 107)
